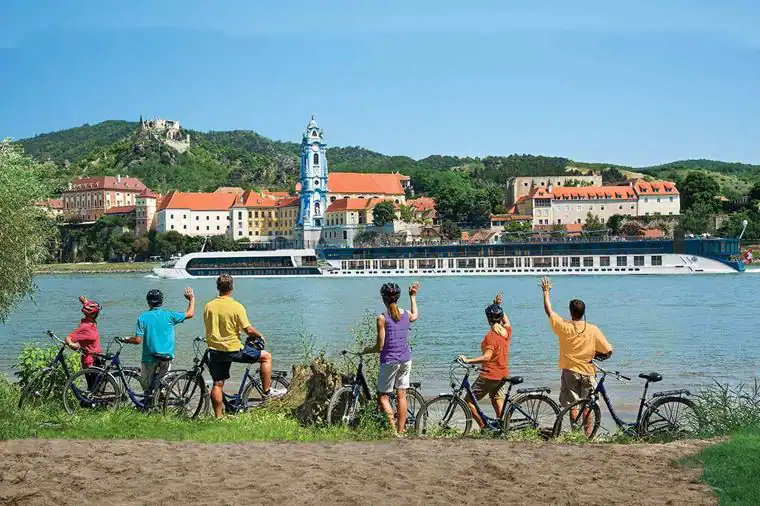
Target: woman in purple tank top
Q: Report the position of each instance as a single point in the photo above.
(395, 354)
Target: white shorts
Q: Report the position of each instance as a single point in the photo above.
(394, 377)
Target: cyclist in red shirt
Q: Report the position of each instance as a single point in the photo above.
(86, 337)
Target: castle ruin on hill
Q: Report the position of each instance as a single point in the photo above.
(166, 131)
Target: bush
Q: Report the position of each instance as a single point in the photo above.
(726, 410)
(34, 357)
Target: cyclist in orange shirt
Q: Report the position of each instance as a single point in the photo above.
(494, 360)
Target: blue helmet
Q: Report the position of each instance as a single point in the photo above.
(155, 298)
(494, 313)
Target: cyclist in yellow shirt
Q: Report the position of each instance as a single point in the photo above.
(224, 319)
(579, 343)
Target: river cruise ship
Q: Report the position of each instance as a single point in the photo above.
(568, 257)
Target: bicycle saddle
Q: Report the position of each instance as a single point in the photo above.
(654, 377)
(513, 380)
(161, 357)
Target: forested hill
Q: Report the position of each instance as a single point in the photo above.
(245, 158)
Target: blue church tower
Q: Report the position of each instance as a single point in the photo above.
(314, 189)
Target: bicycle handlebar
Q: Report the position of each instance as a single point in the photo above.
(465, 364)
(54, 337)
(617, 374)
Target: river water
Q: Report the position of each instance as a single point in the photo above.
(691, 329)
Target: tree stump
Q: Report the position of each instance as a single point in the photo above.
(316, 383)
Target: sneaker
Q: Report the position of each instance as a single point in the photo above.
(276, 392)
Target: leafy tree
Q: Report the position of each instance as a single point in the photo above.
(515, 230)
(615, 222)
(594, 223)
(612, 175)
(450, 230)
(25, 231)
(169, 243)
(383, 213)
(141, 247)
(407, 214)
(754, 194)
(699, 187)
(696, 219)
(631, 228)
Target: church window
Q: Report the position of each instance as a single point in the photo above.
(316, 158)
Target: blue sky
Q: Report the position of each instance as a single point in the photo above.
(644, 83)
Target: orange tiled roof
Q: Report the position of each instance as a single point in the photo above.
(482, 235)
(50, 203)
(276, 194)
(121, 210)
(539, 193)
(655, 187)
(592, 193)
(422, 203)
(359, 182)
(229, 189)
(250, 198)
(654, 233)
(198, 201)
(128, 184)
(147, 192)
(574, 227)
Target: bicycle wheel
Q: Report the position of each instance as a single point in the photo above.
(580, 419)
(254, 394)
(132, 381)
(414, 402)
(39, 390)
(532, 412)
(343, 408)
(186, 395)
(443, 416)
(670, 417)
(105, 393)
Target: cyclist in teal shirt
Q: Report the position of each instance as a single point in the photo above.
(155, 331)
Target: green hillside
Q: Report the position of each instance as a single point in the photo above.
(246, 158)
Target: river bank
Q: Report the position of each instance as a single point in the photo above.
(97, 268)
(423, 472)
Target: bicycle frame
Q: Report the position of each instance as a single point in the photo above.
(465, 386)
(622, 424)
(359, 383)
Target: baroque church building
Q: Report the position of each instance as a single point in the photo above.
(321, 192)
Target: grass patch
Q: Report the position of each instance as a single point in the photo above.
(732, 468)
(99, 267)
(260, 424)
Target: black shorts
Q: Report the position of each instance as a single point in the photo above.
(219, 361)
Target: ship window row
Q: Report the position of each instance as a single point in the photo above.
(248, 262)
(292, 271)
(498, 263)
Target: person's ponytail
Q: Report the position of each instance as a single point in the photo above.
(394, 311)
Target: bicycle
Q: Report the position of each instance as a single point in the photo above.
(188, 396)
(41, 388)
(532, 408)
(653, 417)
(78, 393)
(346, 402)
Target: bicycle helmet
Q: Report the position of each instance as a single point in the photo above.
(91, 308)
(155, 298)
(494, 313)
(390, 292)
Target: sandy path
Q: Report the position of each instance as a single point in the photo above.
(403, 472)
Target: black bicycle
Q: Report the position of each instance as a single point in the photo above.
(347, 401)
(41, 388)
(667, 414)
(449, 415)
(188, 396)
(108, 386)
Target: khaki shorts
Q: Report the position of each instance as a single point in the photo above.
(394, 377)
(146, 373)
(574, 386)
(490, 387)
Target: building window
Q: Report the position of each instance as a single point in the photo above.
(184, 227)
(671, 199)
(207, 227)
(197, 218)
(601, 207)
(171, 216)
(588, 261)
(638, 261)
(240, 215)
(345, 235)
(656, 260)
(621, 206)
(559, 222)
(217, 227)
(575, 261)
(208, 217)
(604, 261)
(658, 199)
(197, 228)
(250, 232)
(622, 261)
(184, 216)
(315, 159)
(240, 232)
(172, 227)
